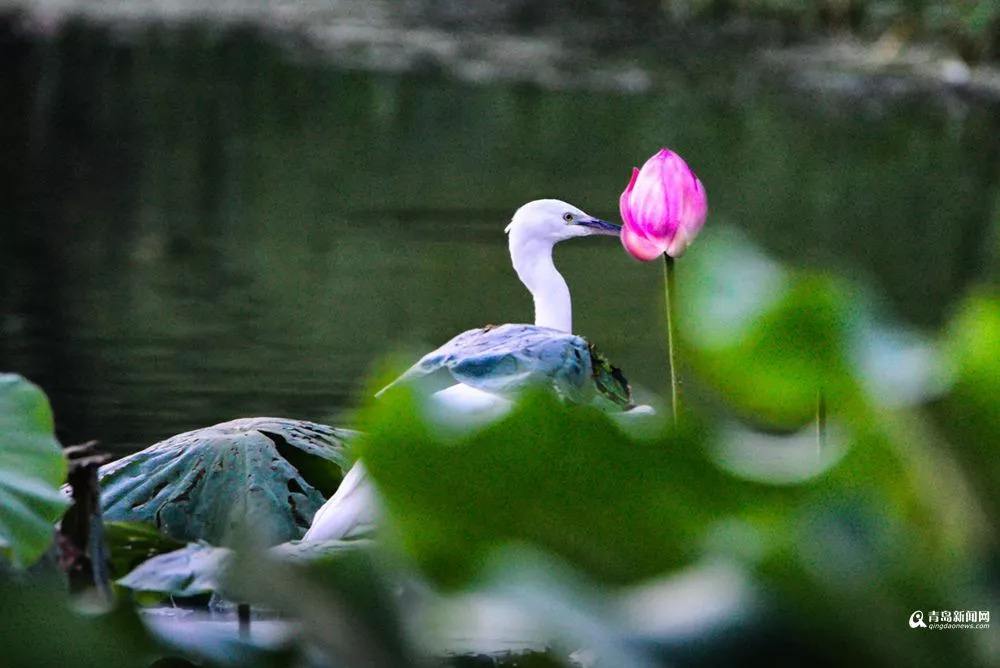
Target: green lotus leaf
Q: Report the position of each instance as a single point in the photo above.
(563, 478)
(32, 467)
(266, 476)
(971, 413)
(766, 339)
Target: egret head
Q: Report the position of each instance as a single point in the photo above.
(554, 220)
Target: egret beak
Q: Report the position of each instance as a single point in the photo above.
(599, 226)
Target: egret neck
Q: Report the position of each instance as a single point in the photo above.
(532, 260)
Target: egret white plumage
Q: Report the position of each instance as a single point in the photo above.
(490, 365)
(533, 232)
(486, 367)
(351, 512)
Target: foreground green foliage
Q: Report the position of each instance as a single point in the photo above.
(551, 475)
(971, 413)
(42, 628)
(862, 532)
(879, 517)
(766, 339)
(586, 527)
(32, 468)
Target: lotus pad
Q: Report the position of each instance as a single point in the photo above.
(209, 483)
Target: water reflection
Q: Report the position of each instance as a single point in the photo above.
(200, 227)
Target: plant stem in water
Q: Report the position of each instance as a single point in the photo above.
(243, 615)
(820, 421)
(669, 297)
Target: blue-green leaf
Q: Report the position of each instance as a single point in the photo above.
(209, 483)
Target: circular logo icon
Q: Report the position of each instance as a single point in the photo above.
(917, 619)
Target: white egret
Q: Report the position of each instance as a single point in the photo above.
(487, 367)
(492, 364)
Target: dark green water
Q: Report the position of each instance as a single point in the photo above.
(197, 229)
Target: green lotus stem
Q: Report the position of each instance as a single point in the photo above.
(820, 420)
(669, 297)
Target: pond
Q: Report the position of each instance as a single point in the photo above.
(200, 227)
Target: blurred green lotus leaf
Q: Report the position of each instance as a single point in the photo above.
(42, 628)
(32, 467)
(766, 338)
(564, 478)
(854, 529)
(973, 345)
(209, 483)
(896, 365)
(972, 408)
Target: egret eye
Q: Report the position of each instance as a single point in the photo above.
(568, 217)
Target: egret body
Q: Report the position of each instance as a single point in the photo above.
(533, 232)
(492, 363)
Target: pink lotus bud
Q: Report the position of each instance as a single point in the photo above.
(663, 207)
